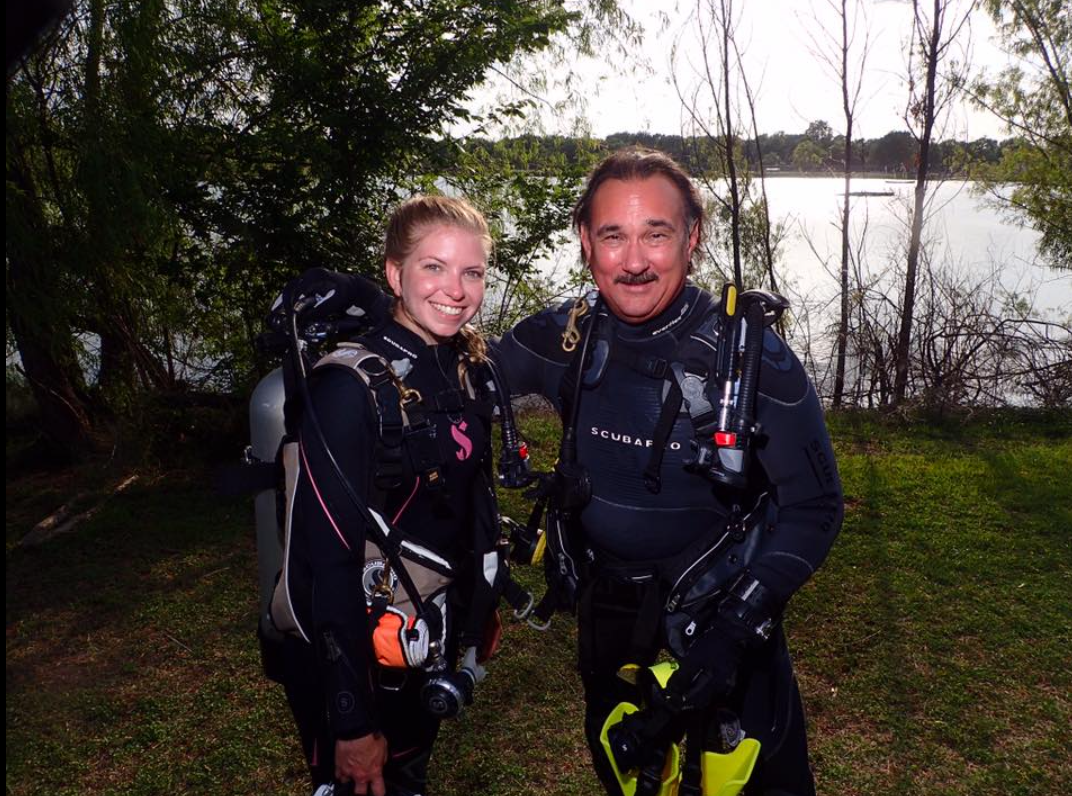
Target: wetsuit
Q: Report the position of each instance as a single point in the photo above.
(334, 688)
(626, 526)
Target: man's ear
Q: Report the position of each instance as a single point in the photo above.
(694, 238)
(586, 245)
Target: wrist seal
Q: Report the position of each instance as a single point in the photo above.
(750, 605)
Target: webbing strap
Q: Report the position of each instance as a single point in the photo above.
(692, 770)
(393, 423)
(663, 427)
(448, 401)
(376, 374)
(646, 629)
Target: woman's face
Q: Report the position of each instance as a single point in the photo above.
(440, 284)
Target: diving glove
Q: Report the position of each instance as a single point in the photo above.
(708, 673)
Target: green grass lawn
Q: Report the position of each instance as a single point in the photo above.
(932, 649)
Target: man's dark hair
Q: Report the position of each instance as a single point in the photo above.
(639, 163)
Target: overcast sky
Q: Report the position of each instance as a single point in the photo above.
(792, 84)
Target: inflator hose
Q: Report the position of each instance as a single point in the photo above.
(750, 361)
(510, 437)
(390, 549)
(567, 451)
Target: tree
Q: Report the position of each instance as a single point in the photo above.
(837, 53)
(1033, 97)
(932, 38)
(808, 156)
(527, 193)
(895, 151)
(716, 96)
(820, 132)
(171, 162)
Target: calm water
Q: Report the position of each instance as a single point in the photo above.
(964, 231)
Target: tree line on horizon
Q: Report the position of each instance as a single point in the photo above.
(817, 150)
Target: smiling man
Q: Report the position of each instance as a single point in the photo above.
(652, 514)
(637, 237)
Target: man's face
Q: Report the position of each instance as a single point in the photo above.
(638, 245)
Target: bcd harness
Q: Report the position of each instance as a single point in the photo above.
(712, 376)
(406, 583)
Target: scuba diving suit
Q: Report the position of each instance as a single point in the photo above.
(434, 490)
(648, 515)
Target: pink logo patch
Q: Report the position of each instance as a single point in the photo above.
(464, 441)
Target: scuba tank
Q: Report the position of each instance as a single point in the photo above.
(266, 430)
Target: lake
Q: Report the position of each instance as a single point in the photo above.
(964, 231)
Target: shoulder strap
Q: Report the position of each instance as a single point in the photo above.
(393, 402)
(687, 376)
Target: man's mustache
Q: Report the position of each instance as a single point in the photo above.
(635, 279)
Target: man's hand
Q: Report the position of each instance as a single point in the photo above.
(709, 671)
(361, 761)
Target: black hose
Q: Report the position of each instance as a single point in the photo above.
(750, 361)
(567, 451)
(390, 549)
(510, 437)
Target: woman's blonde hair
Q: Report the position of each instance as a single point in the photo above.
(411, 221)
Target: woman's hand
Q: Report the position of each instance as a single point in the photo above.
(361, 761)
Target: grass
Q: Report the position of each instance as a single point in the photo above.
(932, 647)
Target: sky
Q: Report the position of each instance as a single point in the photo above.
(792, 85)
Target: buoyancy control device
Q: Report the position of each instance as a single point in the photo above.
(407, 582)
(713, 378)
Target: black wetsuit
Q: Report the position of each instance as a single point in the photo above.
(627, 524)
(352, 696)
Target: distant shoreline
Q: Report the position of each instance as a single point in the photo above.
(893, 179)
(862, 175)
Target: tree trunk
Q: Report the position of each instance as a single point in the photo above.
(904, 335)
(64, 417)
(42, 336)
(117, 376)
(843, 321)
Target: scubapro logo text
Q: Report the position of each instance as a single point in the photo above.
(628, 439)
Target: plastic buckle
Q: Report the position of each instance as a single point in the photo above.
(657, 368)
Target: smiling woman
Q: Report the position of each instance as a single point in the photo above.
(411, 438)
(437, 269)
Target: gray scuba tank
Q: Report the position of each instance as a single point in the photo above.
(266, 429)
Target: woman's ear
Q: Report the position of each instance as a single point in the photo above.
(393, 270)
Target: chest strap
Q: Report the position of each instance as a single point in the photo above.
(405, 417)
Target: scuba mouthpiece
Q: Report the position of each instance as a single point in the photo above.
(515, 469)
(447, 694)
